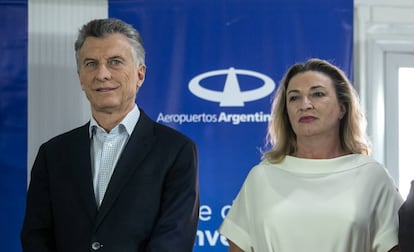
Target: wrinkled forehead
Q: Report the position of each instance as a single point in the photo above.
(107, 46)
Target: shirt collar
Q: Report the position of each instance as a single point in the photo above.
(129, 121)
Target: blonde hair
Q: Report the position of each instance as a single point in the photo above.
(282, 138)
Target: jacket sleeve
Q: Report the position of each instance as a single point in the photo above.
(37, 233)
(177, 224)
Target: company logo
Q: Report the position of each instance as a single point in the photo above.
(231, 95)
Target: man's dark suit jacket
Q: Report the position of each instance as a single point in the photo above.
(151, 203)
(406, 216)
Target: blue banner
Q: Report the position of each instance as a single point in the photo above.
(13, 122)
(212, 69)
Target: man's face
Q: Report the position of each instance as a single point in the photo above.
(108, 74)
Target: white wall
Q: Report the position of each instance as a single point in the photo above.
(381, 27)
(55, 100)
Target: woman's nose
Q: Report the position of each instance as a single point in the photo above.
(306, 104)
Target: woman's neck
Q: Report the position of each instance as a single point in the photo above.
(321, 149)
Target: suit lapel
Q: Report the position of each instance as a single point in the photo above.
(81, 169)
(135, 151)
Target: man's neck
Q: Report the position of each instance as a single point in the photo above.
(108, 120)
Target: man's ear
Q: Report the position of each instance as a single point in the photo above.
(141, 75)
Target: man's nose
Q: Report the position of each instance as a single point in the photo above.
(103, 73)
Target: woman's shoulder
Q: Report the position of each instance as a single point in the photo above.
(262, 169)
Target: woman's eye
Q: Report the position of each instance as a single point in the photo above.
(318, 94)
(293, 98)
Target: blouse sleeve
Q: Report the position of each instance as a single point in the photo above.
(385, 220)
(235, 226)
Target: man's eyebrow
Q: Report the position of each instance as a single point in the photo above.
(88, 59)
(116, 57)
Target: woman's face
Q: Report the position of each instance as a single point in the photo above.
(312, 106)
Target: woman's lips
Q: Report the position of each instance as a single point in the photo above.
(307, 119)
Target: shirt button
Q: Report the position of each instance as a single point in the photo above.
(96, 245)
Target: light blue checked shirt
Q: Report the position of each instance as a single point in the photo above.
(108, 146)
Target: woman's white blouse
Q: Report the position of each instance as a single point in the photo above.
(345, 204)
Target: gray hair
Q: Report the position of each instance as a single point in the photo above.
(100, 28)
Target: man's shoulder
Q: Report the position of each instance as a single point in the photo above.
(70, 135)
(165, 131)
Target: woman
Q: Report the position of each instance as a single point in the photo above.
(316, 189)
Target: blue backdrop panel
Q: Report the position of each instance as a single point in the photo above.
(212, 67)
(13, 121)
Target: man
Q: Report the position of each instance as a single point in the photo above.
(120, 183)
(406, 229)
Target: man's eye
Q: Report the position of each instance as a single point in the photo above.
(90, 64)
(115, 62)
